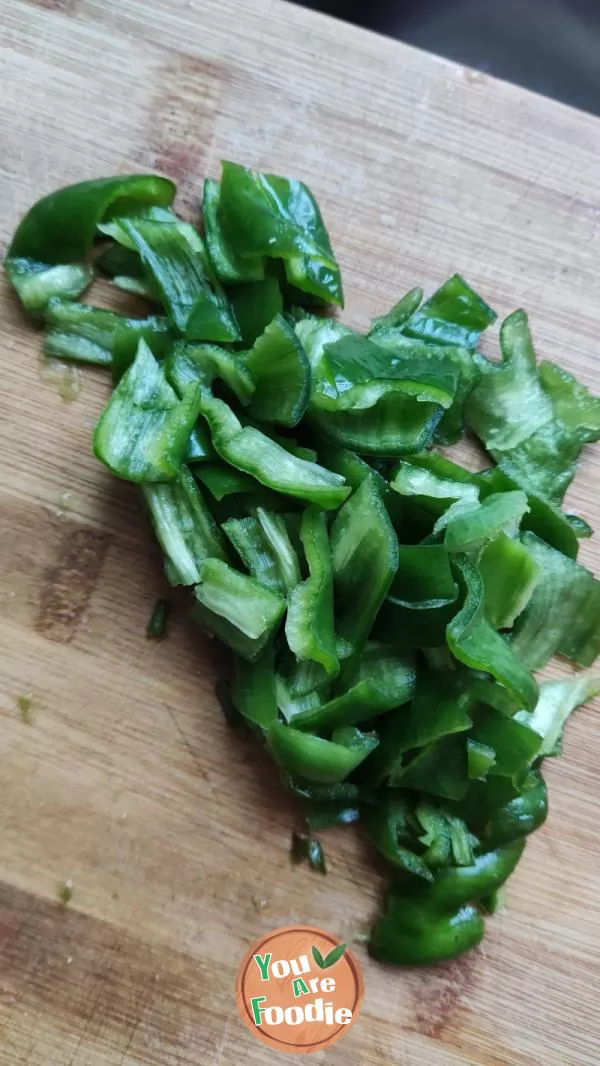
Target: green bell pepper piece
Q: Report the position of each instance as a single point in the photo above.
(222, 480)
(354, 373)
(454, 315)
(236, 608)
(263, 544)
(543, 517)
(498, 513)
(440, 708)
(318, 760)
(396, 425)
(534, 420)
(184, 526)
(480, 759)
(266, 215)
(365, 558)
(439, 496)
(154, 330)
(37, 283)
(509, 574)
(255, 453)
(200, 364)
(558, 700)
(456, 363)
(176, 260)
(157, 623)
(399, 313)
(515, 745)
(439, 769)
(255, 305)
(384, 680)
(227, 264)
(472, 640)
(423, 924)
(390, 826)
(309, 626)
(253, 689)
(421, 601)
(520, 816)
(280, 372)
(563, 614)
(61, 227)
(94, 335)
(143, 433)
(125, 270)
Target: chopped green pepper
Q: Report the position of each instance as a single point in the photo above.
(143, 432)
(184, 526)
(309, 626)
(472, 640)
(265, 215)
(315, 759)
(254, 453)
(533, 420)
(281, 375)
(236, 608)
(563, 614)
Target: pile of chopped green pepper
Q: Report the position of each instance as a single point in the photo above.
(385, 608)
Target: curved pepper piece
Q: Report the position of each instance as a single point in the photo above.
(384, 680)
(533, 420)
(255, 453)
(309, 626)
(61, 227)
(430, 923)
(281, 374)
(472, 640)
(267, 215)
(364, 548)
(314, 759)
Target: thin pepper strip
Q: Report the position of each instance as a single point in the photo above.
(309, 626)
(184, 526)
(384, 680)
(364, 549)
(254, 453)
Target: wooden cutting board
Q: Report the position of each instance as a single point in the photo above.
(173, 830)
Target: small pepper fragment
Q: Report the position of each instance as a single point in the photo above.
(534, 420)
(157, 623)
(364, 550)
(563, 614)
(309, 626)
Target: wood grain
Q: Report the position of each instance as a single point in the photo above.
(173, 830)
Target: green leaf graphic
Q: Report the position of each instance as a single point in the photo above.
(332, 958)
(316, 954)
